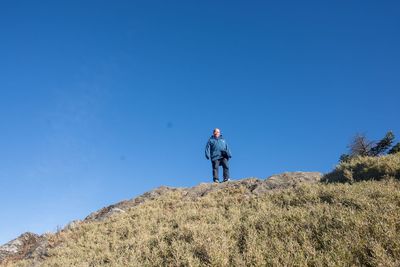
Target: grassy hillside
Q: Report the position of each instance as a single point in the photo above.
(366, 168)
(351, 218)
(312, 224)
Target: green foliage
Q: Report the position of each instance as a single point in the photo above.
(361, 146)
(365, 168)
(310, 225)
(395, 149)
(344, 158)
(383, 145)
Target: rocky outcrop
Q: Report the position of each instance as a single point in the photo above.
(22, 247)
(122, 206)
(30, 245)
(287, 180)
(253, 186)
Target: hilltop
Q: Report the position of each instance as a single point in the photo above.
(33, 246)
(286, 219)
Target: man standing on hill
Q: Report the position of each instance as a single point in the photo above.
(218, 151)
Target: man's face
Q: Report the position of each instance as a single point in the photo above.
(217, 133)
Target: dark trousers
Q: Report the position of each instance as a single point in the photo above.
(225, 166)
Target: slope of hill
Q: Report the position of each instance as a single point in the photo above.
(288, 219)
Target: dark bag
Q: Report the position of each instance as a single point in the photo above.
(224, 154)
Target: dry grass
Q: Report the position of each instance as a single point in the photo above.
(366, 168)
(312, 225)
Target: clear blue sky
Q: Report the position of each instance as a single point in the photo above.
(103, 100)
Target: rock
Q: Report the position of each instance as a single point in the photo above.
(287, 180)
(124, 205)
(20, 247)
(256, 186)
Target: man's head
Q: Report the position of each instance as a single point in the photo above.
(216, 133)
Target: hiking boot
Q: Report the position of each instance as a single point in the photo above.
(216, 181)
(226, 180)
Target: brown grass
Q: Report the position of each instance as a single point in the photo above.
(311, 225)
(366, 168)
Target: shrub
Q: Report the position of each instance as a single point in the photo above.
(366, 168)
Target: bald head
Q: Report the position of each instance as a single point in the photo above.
(216, 132)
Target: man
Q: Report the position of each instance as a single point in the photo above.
(218, 151)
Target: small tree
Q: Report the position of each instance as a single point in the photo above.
(361, 146)
(383, 145)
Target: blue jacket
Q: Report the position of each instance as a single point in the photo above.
(215, 148)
